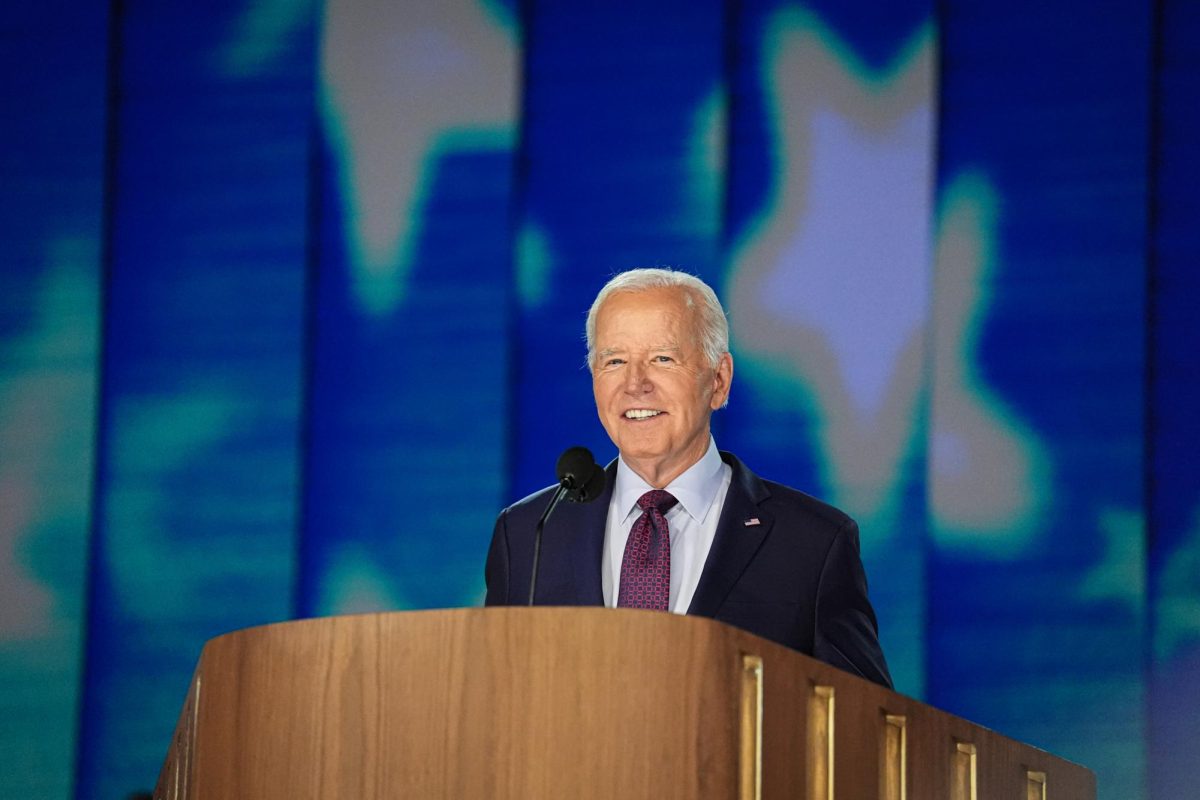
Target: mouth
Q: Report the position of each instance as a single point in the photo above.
(637, 414)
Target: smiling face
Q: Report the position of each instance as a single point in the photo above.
(655, 390)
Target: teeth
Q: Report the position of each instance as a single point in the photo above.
(641, 413)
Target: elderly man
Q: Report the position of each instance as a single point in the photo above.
(682, 526)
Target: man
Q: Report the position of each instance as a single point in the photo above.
(682, 526)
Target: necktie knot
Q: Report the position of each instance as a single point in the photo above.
(658, 499)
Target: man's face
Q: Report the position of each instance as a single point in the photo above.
(654, 388)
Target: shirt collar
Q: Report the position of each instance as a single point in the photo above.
(695, 488)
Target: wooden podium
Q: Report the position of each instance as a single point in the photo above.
(568, 703)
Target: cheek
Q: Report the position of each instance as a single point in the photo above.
(602, 393)
(703, 390)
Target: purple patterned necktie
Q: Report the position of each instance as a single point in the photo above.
(646, 565)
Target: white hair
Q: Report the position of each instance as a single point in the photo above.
(712, 327)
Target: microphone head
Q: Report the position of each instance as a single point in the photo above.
(574, 466)
(579, 473)
(593, 487)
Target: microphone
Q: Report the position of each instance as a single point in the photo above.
(579, 473)
(580, 480)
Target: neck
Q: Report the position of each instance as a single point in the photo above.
(659, 473)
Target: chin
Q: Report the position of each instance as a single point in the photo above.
(644, 453)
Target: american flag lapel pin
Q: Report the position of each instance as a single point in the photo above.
(751, 522)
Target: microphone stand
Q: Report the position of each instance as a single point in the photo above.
(559, 494)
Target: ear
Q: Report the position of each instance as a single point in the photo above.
(722, 378)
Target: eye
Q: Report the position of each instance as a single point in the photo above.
(613, 362)
(663, 359)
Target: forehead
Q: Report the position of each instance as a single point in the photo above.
(651, 312)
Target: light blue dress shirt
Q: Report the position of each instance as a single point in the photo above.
(701, 491)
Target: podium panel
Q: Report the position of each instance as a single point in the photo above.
(567, 702)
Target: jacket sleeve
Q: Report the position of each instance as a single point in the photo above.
(846, 633)
(495, 572)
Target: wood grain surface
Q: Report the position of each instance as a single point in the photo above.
(571, 703)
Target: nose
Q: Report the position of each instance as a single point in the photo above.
(637, 378)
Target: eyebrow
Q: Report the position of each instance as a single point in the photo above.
(666, 348)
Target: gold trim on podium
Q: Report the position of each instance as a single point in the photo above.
(964, 785)
(1035, 785)
(893, 757)
(820, 743)
(751, 738)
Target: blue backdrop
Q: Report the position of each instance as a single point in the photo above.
(279, 280)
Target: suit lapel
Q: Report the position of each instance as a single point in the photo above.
(588, 552)
(741, 531)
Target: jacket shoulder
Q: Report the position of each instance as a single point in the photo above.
(786, 500)
(528, 508)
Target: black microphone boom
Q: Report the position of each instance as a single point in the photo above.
(580, 480)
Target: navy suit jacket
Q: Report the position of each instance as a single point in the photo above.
(795, 577)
